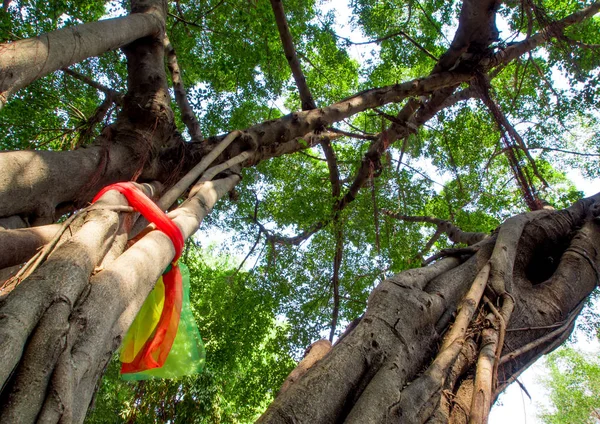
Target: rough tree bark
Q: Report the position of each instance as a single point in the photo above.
(69, 307)
(547, 263)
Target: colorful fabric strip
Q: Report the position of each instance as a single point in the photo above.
(154, 352)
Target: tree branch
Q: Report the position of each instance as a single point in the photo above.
(335, 280)
(541, 74)
(87, 129)
(114, 95)
(569, 152)
(291, 56)
(523, 179)
(505, 125)
(434, 238)
(334, 173)
(215, 170)
(371, 160)
(353, 135)
(397, 131)
(336, 189)
(518, 49)
(186, 22)
(249, 253)
(187, 114)
(387, 37)
(455, 234)
(290, 241)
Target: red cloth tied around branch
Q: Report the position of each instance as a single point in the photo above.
(155, 350)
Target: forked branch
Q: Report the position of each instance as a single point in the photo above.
(293, 240)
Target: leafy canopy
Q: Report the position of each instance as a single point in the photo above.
(574, 385)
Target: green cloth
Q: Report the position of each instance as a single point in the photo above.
(187, 355)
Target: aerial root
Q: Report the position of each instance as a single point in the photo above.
(36, 345)
(189, 179)
(501, 335)
(196, 172)
(442, 375)
(58, 406)
(52, 286)
(484, 376)
(496, 273)
(467, 308)
(36, 260)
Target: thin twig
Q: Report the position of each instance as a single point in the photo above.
(544, 327)
(532, 345)
(516, 374)
(86, 129)
(569, 152)
(180, 19)
(353, 135)
(294, 240)
(387, 37)
(249, 254)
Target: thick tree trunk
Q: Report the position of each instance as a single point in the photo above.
(35, 184)
(386, 368)
(545, 263)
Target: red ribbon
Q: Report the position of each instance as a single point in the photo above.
(155, 351)
(149, 210)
